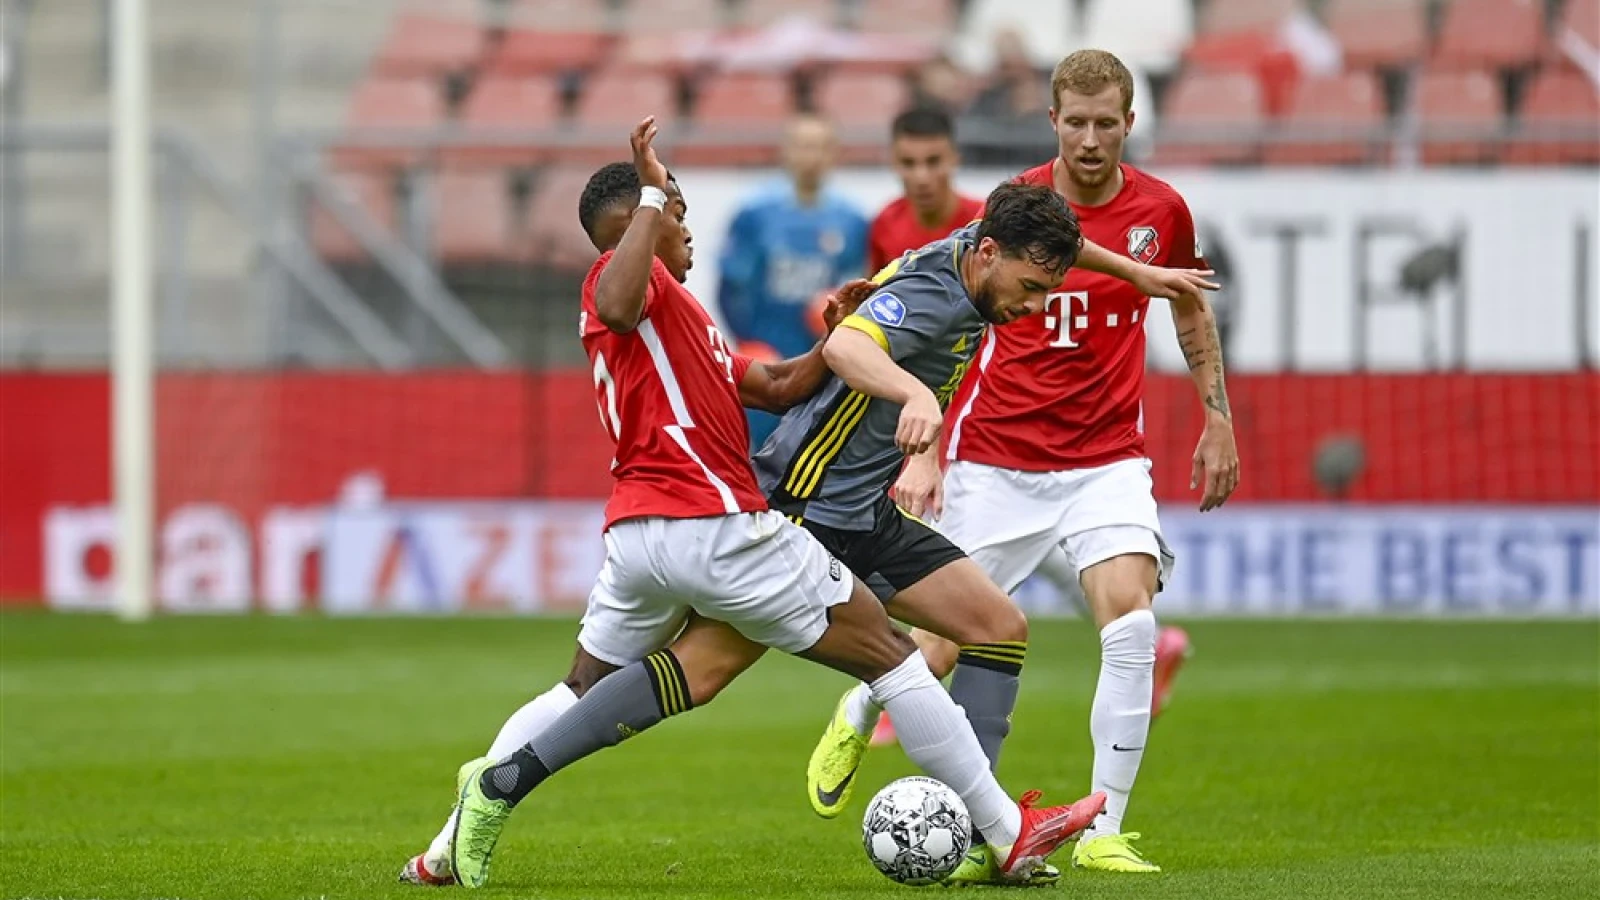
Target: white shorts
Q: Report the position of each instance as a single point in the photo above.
(758, 572)
(1009, 521)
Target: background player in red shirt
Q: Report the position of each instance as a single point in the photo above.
(923, 149)
(1046, 440)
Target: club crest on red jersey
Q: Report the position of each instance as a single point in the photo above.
(1143, 244)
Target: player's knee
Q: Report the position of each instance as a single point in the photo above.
(998, 620)
(1121, 597)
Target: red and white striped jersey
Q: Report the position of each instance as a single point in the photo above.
(669, 398)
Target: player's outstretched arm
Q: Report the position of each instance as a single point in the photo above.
(1152, 281)
(777, 386)
(619, 292)
(1216, 459)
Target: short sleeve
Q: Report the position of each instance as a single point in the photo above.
(907, 317)
(741, 367)
(1186, 251)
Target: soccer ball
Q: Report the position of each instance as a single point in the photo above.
(916, 831)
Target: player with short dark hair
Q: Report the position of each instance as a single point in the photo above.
(1046, 441)
(688, 532)
(922, 149)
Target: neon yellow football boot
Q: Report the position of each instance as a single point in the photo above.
(982, 869)
(831, 774)
(479, 821)
(1112, 853)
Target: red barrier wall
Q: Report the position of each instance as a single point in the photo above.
(251, 440)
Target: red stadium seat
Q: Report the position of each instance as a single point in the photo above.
(1334, 120)
(673, 15)
(1559, 122)
(1224, 16)
(402, 105)
(499, 106)
(1386, 33)
(554, 236)
(1496, 34)
(548, 36)
(760, 13)
(860, 104)
(372, 191)
(472, 220)
(431, 45)
(1460, 116)
(934, 18)
(1211, 117)
(613, 98)
(738, 118)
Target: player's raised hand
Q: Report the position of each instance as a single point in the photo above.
(1216, 465)
(920, 488)
(651, 171)
(846, 300)
(1175, 284)
(920, 422)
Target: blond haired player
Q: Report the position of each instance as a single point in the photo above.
(1046, 445)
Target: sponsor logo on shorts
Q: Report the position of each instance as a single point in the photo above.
(887, 309)
(833, 569)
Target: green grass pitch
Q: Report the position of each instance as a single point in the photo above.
(306, 758)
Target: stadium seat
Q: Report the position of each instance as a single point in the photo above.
(431, 44)
(1559, 122)
(860, 105)
(1332, 120)
(855, 100)
(1499, 34)
(1211, 118)
(613, 98)
(931, 18)
(498, 106)
(1225, 16)
(373, 191)
(1149, 35)
(737, 119)
(554, 236)
(548, 36)
(379, 105)
(1460, 116)
(649, 16)
(1380, 33)
(761, 13)
(472, 218)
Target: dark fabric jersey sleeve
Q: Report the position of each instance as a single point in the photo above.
(908, 315)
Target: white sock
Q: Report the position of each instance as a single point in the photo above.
(524, 725)
(860, 710)
(1119, 721)
(934, 733)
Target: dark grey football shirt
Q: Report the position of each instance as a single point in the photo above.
(834, 457)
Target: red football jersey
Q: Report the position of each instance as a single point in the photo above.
(1064, 390)
(896, 229)
(669, 399)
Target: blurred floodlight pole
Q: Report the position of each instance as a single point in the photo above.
(133, 347)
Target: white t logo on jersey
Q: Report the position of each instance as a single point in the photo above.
(1066, 313)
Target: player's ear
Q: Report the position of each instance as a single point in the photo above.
(1127, 128)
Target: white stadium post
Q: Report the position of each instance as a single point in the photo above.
(132, 350)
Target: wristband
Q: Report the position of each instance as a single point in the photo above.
(653, 197)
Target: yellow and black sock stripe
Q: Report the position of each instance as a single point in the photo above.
(1000, 656)
(669, 683)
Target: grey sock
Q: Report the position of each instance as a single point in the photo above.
(985, 684)
(620, 706)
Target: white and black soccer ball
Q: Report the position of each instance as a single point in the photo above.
(916, 831)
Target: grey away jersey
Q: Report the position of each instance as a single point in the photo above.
(833, 458)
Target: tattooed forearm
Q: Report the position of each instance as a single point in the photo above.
(1216, 398)
(1202, 352)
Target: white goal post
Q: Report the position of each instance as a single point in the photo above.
(132, 340)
